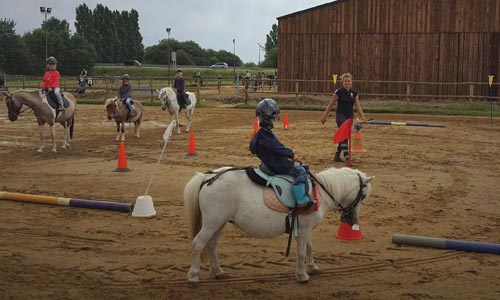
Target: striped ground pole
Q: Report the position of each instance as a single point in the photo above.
(403, 124)
(423, 241)
(72, 202)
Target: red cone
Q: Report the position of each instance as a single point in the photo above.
(349, 233)
(122, 160)
(285, 122)
(192, 146)
(255, 128)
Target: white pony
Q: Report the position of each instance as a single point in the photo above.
(168, 100)
(228, 195)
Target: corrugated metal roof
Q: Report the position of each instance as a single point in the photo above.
(312, 8)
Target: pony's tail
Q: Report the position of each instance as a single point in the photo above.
(71, 128)
(192, 205)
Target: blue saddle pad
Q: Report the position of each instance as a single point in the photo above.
(282, 186)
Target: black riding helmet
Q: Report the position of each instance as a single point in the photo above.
(125, 77)
(51, 60)
(267, 111)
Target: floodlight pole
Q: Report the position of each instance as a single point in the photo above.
(45, 11)
(169, 52)
(234, 57)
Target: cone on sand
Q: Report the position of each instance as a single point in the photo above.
(122, 160)
(144, 207)
(192, 146)
(285, 122)
(357, 142)
(349, 233)
(255, 128)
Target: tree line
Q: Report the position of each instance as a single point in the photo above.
(107, 36)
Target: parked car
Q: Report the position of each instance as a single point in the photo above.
(132, 62)
(219, 65)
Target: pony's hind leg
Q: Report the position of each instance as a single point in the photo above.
(198, 244)
(137, 129)
(65, 143)
(215, 269)
(177, 122)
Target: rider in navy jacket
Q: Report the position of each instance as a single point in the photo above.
(274, 155)
(277, 157)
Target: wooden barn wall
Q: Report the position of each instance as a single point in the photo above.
(392, 40)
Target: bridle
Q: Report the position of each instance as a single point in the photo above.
(345, 211)
(166, 101)
(9, 106)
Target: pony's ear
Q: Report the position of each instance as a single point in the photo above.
(6, 94)
(369, 178)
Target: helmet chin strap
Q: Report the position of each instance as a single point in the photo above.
(266, 124)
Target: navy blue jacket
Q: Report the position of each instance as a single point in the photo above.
(179, 85)
(272, 152)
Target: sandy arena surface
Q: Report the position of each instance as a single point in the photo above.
(440, 182)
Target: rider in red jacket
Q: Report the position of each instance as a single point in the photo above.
(51, 80)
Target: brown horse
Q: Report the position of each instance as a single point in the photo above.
(43, 113)
(118, 111)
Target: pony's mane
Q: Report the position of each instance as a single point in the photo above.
(337, 181)
(166, 91)
(109, 101)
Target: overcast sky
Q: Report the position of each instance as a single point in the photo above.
(210, 23)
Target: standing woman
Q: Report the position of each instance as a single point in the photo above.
(345, 98)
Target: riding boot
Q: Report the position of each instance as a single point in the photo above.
(337, 157)
(299, 192)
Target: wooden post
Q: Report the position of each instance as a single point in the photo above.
(471, 92)
(408, 91)
(296, 89)
(151, 89)
(24, 82)
(198, 90)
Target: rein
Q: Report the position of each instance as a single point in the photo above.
(218, 174)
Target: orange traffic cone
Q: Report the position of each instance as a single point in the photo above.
(349, 233)
(192, 146)
(255, 128)
(122, 160)
(357, 143)
(285, 122)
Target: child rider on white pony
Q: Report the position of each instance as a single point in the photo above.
(274, 155)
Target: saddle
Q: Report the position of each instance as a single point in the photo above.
(183, 100)
(278, 190)
(52, 100)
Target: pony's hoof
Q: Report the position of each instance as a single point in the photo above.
(221, 276)
(313, 272)
(303, 278)
(193, 284)
(40, 150)
(54, 150)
